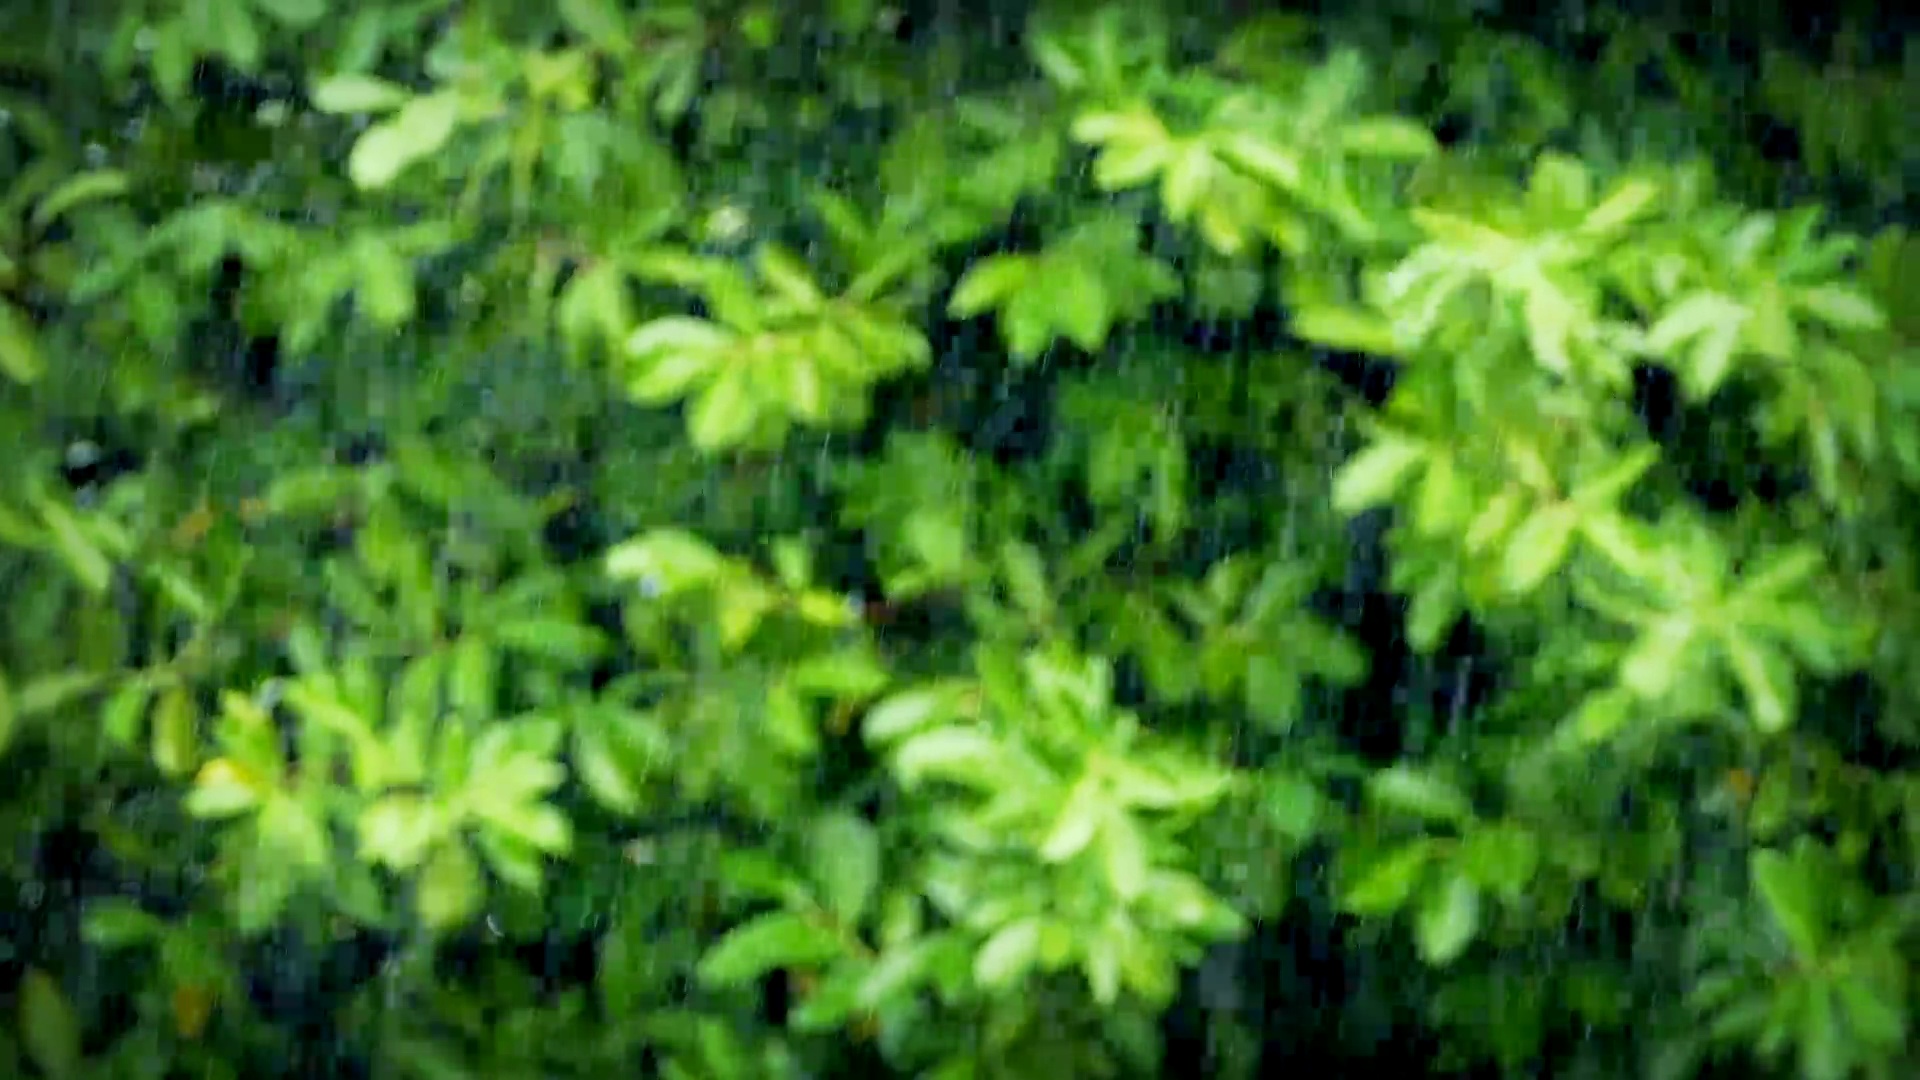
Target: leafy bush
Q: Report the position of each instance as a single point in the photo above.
(719, 539)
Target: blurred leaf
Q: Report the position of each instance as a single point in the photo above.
(116, 924)
(1389, 137)
(1766, 676)
(49, 1030)
(294, 13)
(1538, 547)
(1375, 474)
(1842, 307)
(420, 129)
(75, 192)
(1385, 885)
(1351, 328)
(765, 943)
(667, 560)
(906, 712)
(9, 715)
(1292, 804)
(1412, 791)
(1448, 919)
(1008, 955)
(354, 93)
(450, 890)
(1792, 895)
(844, 851)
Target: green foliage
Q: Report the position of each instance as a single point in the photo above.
(619, 554)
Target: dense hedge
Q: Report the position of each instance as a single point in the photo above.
(737, 540)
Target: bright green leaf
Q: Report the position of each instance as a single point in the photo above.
(726, 413)
(1123, 855)
(1263, 159)
(1500, 858)
(1389, 137)
(763, 944)
(1792, 893)
(844, 851)
(1842, 307)
(1654, 663)
(1448, 919)
(1626, 202)
(1766, 676)
(293, 13)
(907, 712)
(77, 191)
(1538, 548)
(1385, 885)
(600, 22)
(418, 130)
(666, 560)
(963, 755)
(1372, 476)
(1413, 791)
(353, 93)
(1078, 820)
(450, 888)
(1346, 327)
(1008, 955)
(1292, 804)
(988, 283)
